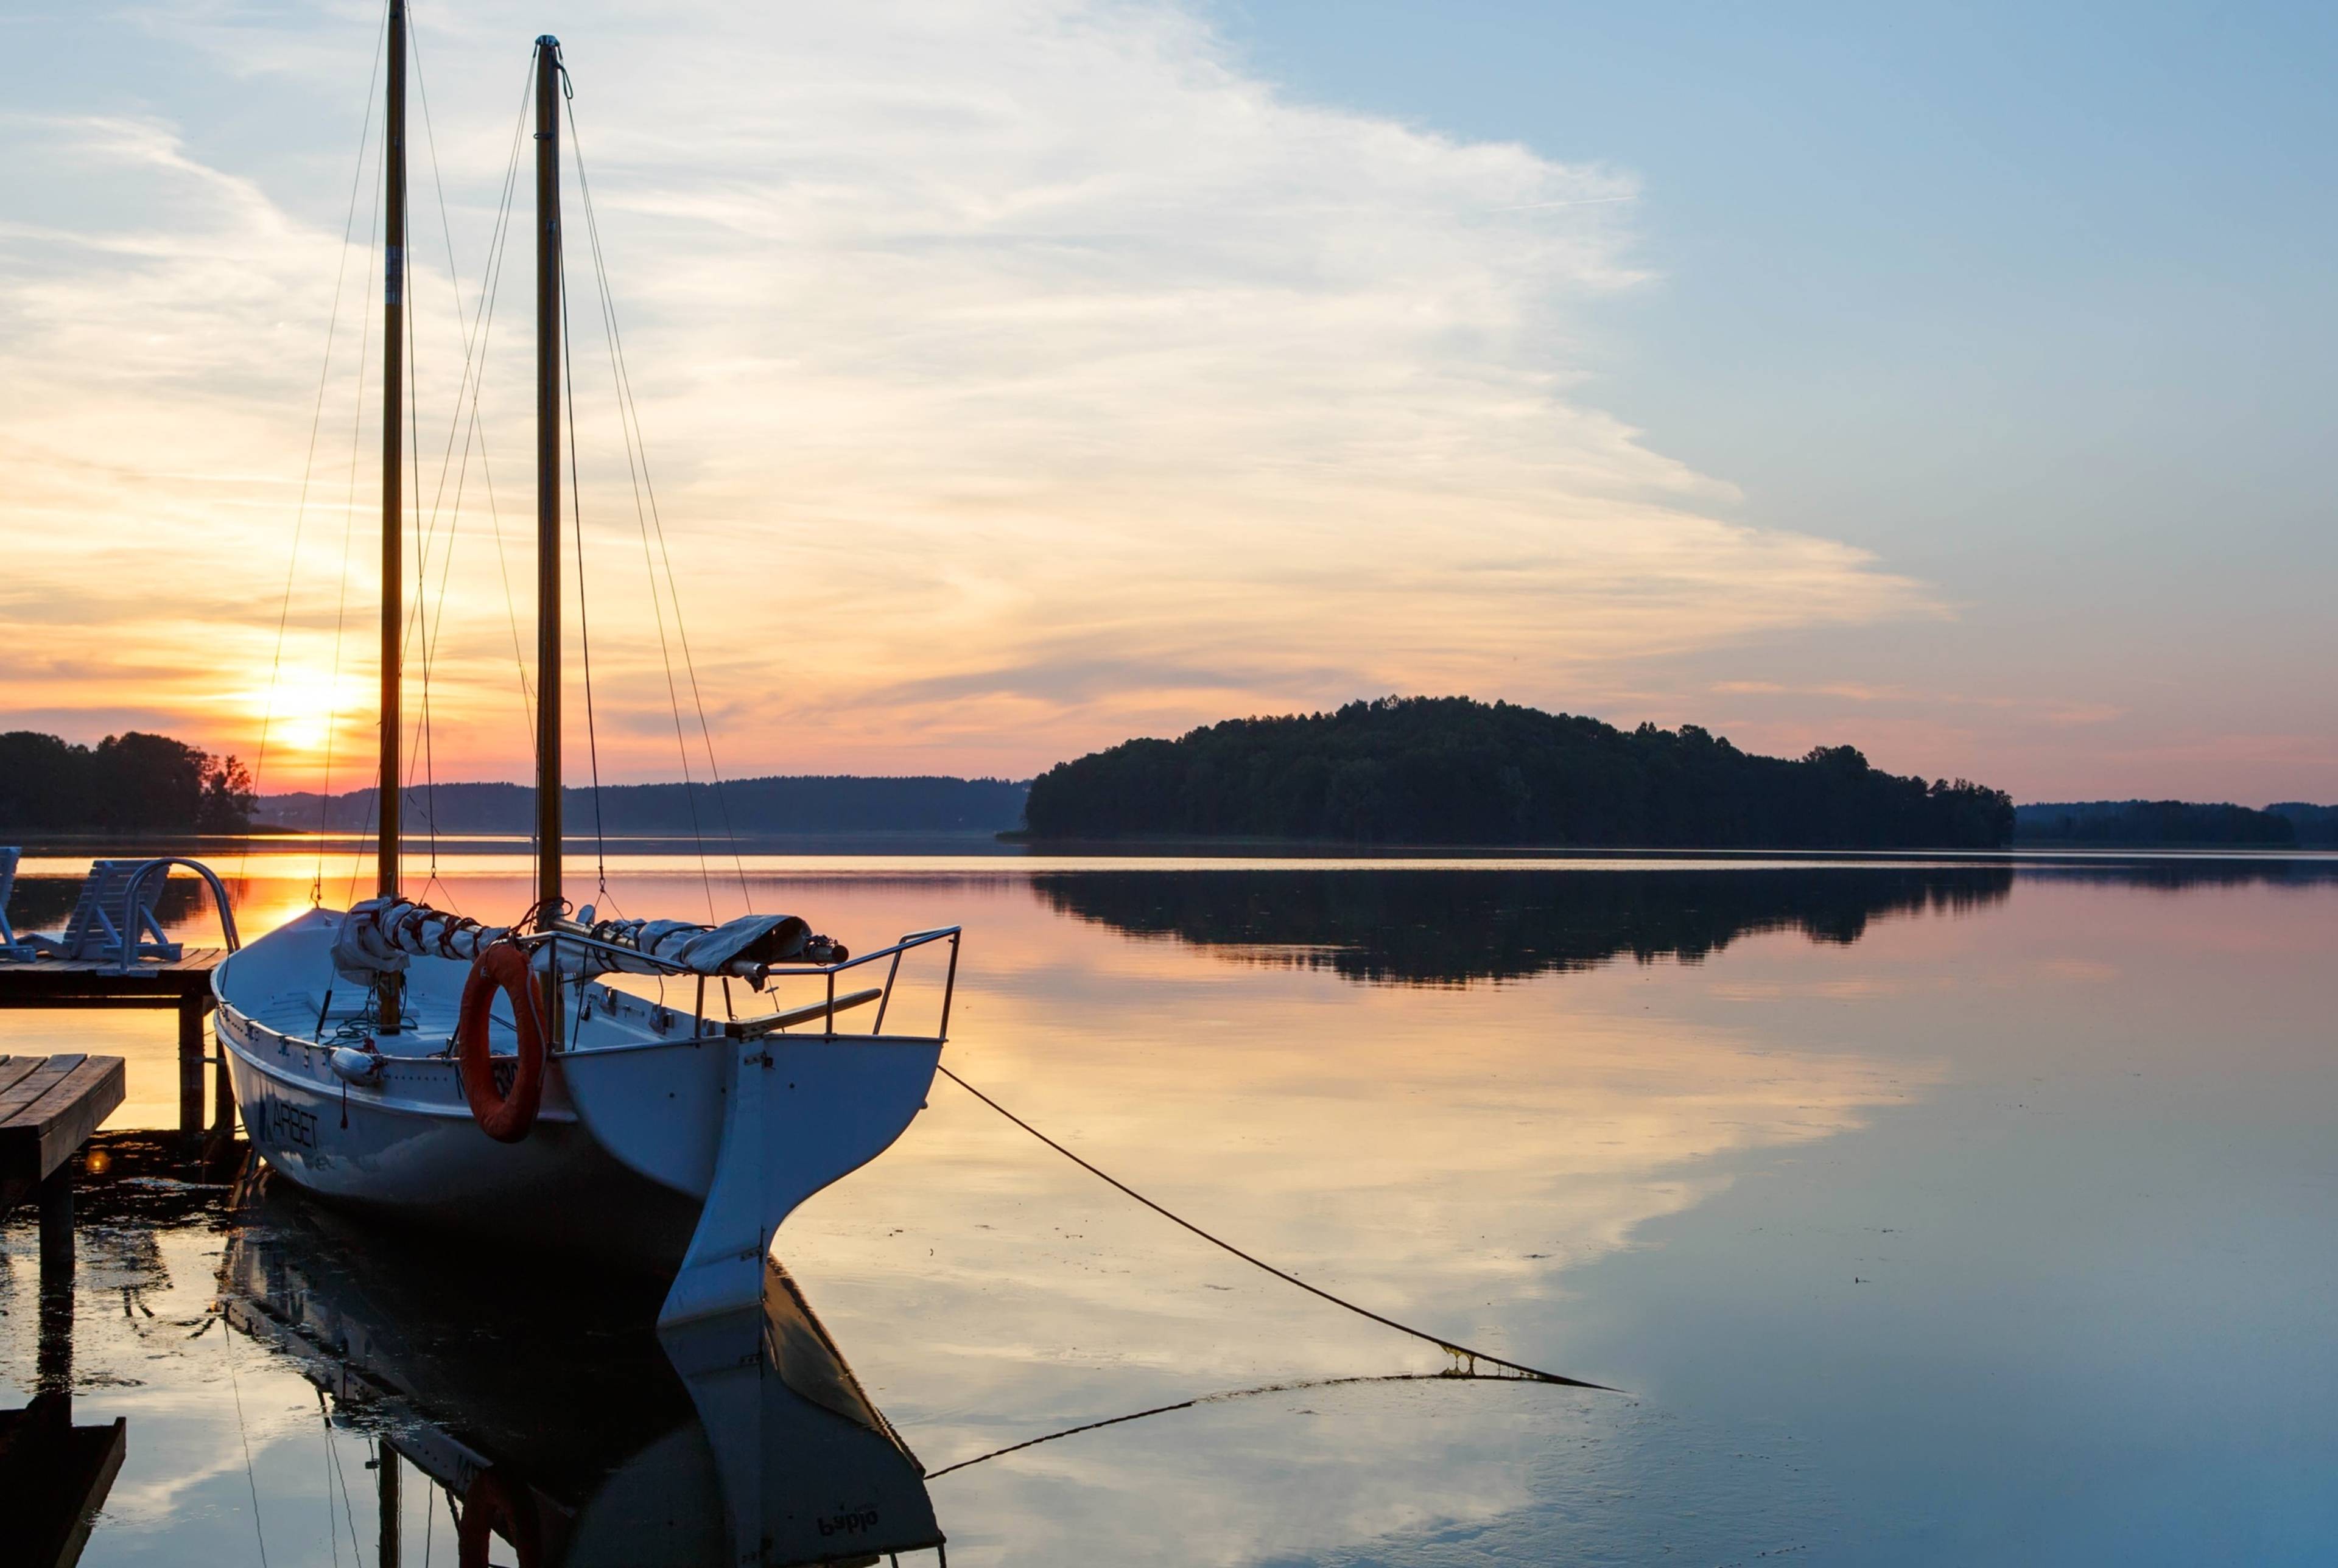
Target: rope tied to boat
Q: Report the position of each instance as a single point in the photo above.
(1458, 1351)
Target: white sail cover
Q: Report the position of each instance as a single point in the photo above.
(381, 935)
(378, 935)
(749, 941)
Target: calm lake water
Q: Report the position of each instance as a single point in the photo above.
(1923, 1212)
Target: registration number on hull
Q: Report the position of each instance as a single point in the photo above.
(280, 1123)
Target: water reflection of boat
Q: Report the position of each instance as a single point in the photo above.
(550, 1417)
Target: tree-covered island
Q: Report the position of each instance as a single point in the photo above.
(1452, 771)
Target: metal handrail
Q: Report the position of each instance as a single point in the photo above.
(761, 972)
(128, 931)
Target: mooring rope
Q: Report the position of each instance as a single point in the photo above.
(1449, 1347)
(1231, 1393)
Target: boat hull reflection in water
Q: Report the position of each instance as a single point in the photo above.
(550, 1417)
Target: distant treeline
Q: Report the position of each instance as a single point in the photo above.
(1451, 771)
(806, 804)
(127, 783)
(2178, 824)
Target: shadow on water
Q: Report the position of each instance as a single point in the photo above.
(1450, 927)
(541, 1404)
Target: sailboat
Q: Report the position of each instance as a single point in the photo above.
(494, 1082)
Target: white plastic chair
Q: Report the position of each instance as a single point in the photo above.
(10, 948)
(90, 932)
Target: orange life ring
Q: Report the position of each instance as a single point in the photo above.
(491, 1507)
(501, 966)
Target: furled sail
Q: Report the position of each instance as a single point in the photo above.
(382, 936)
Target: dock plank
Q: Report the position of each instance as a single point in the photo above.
(43, 1135)
(46, 1073)
(15, 1070)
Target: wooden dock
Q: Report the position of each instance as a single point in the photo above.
(53, 1475)
(183, 985)
(49, 1105)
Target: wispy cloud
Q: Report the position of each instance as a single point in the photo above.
(1015, 379)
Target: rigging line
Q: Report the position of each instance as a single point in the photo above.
(245, 1433)
(474, 382)
(1229, 1395)
(649, 566)
(428, 758)
(629, 407)
(1449, 1347)
(357, 1547)
(348, 534)
(317, 416)
(332, 1525)
(584, 616)
(474, 335)
(475, 353)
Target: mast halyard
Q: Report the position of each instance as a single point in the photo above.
(547, 474)
(389, 995)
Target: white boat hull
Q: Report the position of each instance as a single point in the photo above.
(642, 1118)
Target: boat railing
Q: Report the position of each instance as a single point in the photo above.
(762, 973)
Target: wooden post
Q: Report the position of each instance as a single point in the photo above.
(385, 1460)
(191, 1063)
(56, 1221)
(223, 1086)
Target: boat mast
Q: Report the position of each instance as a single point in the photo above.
(393, 376)
(389, 988)
(547, 474)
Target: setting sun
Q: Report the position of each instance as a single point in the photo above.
(298, 715)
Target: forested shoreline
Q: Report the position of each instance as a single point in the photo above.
(1453, 770)
(2177, 824)
(776, 805)
(129, 783)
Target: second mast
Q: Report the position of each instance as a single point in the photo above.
(547, 472)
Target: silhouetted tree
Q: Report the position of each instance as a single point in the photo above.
(1451, 770)
(127, 783)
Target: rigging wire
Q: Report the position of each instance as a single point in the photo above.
(348, 1510)
(673, 698)
(348, 535)
(1449, 1347)
(333, 1525)
(421, 573)
(426, 623)
(630, 423)
(243, 1431)
(1449, 1376)
(584, 613)
(475, 340)
(317, 416)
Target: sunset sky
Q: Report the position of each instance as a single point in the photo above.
(1018, 378)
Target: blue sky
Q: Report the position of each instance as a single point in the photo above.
(2035, 302)
(1953, 384)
